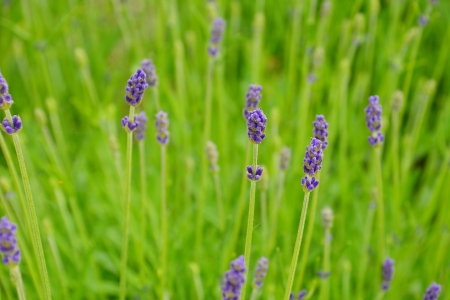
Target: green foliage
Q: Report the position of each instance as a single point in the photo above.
(71, 60)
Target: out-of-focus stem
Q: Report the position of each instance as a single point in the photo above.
(219, 200)
(143, 210)
(163, 223)
(380, 206)
(16, 278)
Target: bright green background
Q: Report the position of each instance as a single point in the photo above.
(72, 59)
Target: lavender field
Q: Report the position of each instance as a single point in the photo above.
(225, 149)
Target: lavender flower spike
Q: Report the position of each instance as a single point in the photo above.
(8, 243)
(253, 97)
(285, 158)
(423, 20)
(162, 127)
(234, 279)
(13, 127)
(216, 36)
(5, 98)
(261, 271)
(388, 273)
(141, 120)
(433, 292)
(128, 125)
(150, 70)
(312, 165)
(321, 130)
(212, 155)
(254, 176)
(256, 125)
(373, 121)
(135, 88)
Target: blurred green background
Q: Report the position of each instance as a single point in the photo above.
(70, 60)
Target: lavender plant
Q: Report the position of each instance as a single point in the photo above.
(135, 88)
(373, 122)
(162, 136)
(260, 274)
(151, 78)
(312, 165)
(256, 126)
(388, 274)
(11, 254)
(234, 280)
(11, 125)
(320, 132)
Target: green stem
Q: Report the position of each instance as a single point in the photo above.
(219, 200)
(156, 94)
(380, 295)
(309, 232)
(251, 215)
(275, 210)
(325, 291)
(16, 278)
(36, 237)
(396, 170)
(123, 261)
(163, 222)
(298, 243)
(143, 210)
(364, 255)
(380, 206)
(264, 223)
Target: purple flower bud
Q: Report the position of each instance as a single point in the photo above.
(234, 279)
(261, 271)
(254, 176)
(302, 295)
(150, 70)
(321, 130)
(423, 20)
(135, 88)
(285, 158)
(128, 125)
(373, 121)
(313, 157)
(141, 120)
(323, 275)
(256, 125)
(388, 273)
(312, 78)
(433, 292)
(253, 97)
(162, 127)
(216, 36)
(309, 183)
(8, 243)
(5, 98)
(14, 127)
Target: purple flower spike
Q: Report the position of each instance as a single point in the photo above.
(309, 183)
(373, 121)
(256, 176)
(423, 20)
(8, 243)
(14, 127)
(433, 292)
(256, 125)
(313, 157)
(261, 271)
(135, 88)
(162, 127)
(150, 70)
(253, 97)
(5, 98)
(141, 120)
(234, 279)
(216, 36)
(128, 125)
(388, 273)
(321, 130)
(302, 295)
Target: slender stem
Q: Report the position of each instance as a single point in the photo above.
(16, 278)
(208, 98)
(325, 291)
(219, 200)
(251, 215)
(380, 206)
(309, 232)
(264, 223)
(143, 210)
(396, 170)
(163, 222)
(364, 255)
(36, 237)
(298, 243)
(254, 294)
(123, 261)
(275, 210)
(380, 295)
